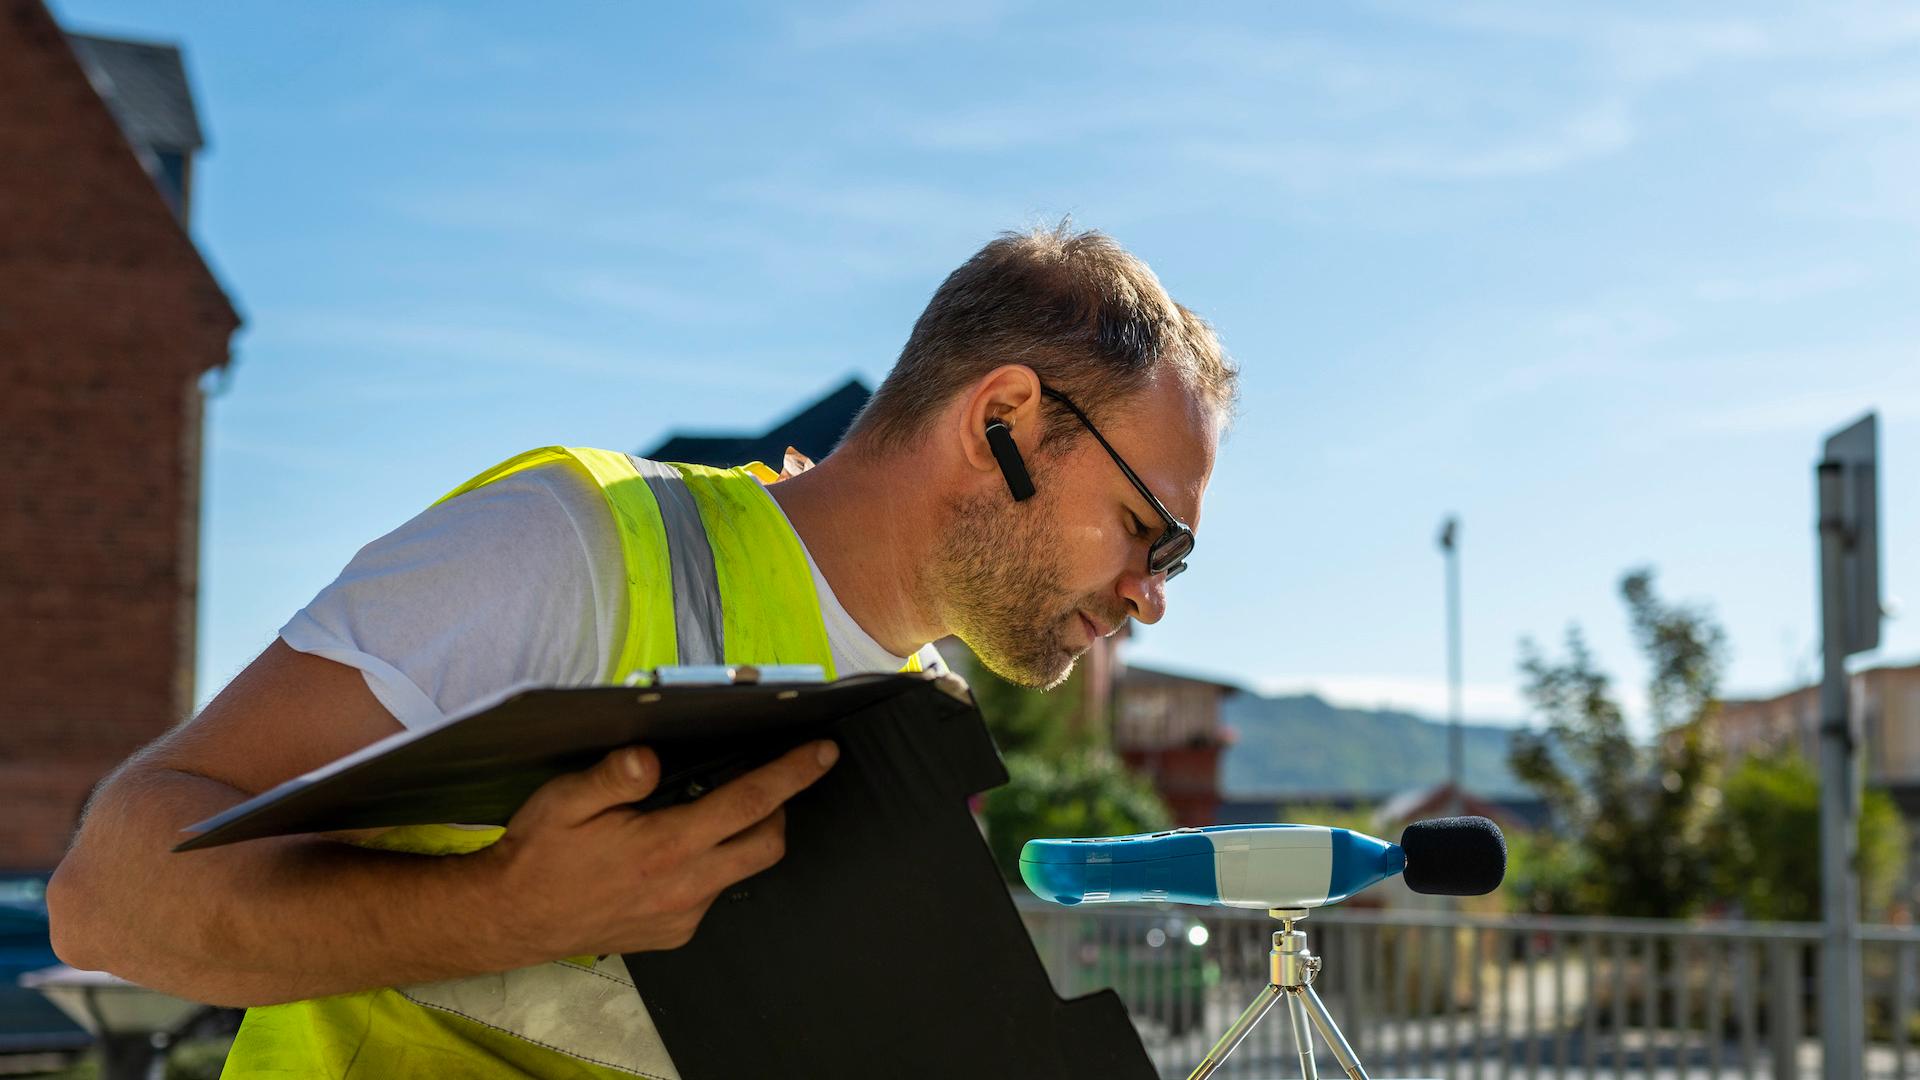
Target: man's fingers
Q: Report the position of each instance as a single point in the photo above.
(622, 777)
(738, 804)
(747, 853)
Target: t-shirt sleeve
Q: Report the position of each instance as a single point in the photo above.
(475, 596)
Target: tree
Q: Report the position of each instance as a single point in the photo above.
(1063, 779)
(1080, 795)
(1023, 720)
(1769, 832)
(1639, 813)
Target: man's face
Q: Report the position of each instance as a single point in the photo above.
(1028, 586)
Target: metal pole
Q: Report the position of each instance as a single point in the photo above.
(1842, 1030)
(1456, 739)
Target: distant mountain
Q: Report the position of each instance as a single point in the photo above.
(1305, 745)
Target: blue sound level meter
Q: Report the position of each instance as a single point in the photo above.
(1245, 866)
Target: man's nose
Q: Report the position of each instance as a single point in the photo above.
(1145, 594)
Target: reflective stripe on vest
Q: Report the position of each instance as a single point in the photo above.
(699, 630)
(713, 570)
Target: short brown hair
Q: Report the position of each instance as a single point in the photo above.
(1088, 317)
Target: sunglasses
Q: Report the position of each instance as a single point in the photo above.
(1170, 549)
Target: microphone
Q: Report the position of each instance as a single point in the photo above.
(1455, 856)
(1264, 866)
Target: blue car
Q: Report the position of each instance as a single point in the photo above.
(28, 1022)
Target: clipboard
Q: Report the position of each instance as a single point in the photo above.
(479, 767)
(885, 943)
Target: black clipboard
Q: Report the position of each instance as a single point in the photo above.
(478, 768)
(885, 943)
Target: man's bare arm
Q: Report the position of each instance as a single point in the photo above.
(282, 919)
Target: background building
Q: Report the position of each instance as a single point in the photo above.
(109, 317)
(1168, 728)
(814, 431)
(1886, 699)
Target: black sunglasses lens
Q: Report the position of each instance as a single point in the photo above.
(1169, 554)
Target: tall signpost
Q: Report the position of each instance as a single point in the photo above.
(1849, 623)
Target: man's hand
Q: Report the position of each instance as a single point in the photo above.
(581, 872)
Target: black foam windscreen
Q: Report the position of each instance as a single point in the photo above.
(1456, 856)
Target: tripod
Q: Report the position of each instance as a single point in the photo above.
(1291, 969)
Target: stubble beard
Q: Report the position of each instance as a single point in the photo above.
(998, 577)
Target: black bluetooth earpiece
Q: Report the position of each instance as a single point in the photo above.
(1000, 441)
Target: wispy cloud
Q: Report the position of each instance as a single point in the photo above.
(793, 233)
(437, 339)
(1869, 98)
(878, 203)
(1585, 135)
(1519, 358)
(1780, 287)
(880, 22)
(282, 455)
(1637, 48)
(1873, 180)
(1815, 411)
(1592, 133)
(638, 294)
(417, 353)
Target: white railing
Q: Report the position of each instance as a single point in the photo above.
(1431, 993)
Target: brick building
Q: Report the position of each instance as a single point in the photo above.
(109, 317)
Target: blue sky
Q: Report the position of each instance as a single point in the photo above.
(1598, 279)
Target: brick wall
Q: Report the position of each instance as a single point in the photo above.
(108, 317)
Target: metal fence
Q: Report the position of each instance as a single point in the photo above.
(1436, 994)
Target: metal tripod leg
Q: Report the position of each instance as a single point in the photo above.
(1302, 1034)
(1238, 1033)
(1330, 1031)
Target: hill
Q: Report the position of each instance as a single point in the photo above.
(1304, 745)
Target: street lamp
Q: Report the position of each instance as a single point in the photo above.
(1456, 744)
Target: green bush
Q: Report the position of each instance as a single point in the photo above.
(1767, 848)
(1544, 873)
(1086, 795)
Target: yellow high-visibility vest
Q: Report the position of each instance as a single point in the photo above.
(714, 575)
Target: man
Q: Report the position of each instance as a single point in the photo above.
(1024, 478)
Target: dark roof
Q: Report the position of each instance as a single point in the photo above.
(814, 431)
(145, 85)
(1144, 674)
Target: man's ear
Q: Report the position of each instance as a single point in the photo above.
(1009, 396)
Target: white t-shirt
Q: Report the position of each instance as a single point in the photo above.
(519, 582)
